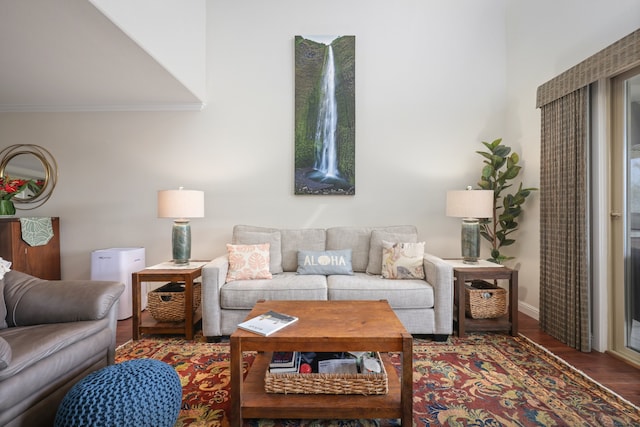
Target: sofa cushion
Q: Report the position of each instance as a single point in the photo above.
(402, 260)
(243, 294)
(358, 239)
(33, 301)
(247, 262)
(294, 240)
(248, 235)
(354, 238)
(5, 353)
(325, 262)
(3, 306)
(49, 358)
(375, 247)
(401, 294)
(31, 345)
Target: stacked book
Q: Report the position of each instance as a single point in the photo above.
(285, 361)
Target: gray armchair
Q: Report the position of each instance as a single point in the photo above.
(52, 334)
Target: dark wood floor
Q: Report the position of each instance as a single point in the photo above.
(614, 374)
(609, 371)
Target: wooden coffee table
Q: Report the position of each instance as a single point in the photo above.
(324, 326)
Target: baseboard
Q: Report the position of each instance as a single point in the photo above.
(529, 310)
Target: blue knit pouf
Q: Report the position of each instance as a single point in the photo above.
(141, 392)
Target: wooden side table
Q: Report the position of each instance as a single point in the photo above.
(144, 322)
(508, 322)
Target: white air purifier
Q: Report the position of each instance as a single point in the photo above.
(118, 264)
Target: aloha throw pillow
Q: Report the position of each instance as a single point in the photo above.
(325, 262)
(402, 260)
(248, 262)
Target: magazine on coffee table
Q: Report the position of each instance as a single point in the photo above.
(267, 323)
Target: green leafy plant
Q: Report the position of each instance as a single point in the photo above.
(500, 168)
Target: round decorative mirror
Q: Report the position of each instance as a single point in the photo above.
(33, 164)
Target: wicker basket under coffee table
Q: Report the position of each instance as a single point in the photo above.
(323, 326)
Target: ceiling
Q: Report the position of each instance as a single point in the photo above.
(66, 55)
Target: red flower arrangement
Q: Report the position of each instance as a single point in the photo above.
(9, 188)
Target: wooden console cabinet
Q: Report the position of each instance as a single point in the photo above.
(39, 261)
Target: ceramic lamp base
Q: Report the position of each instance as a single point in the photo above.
(470, 239)
(181, 241)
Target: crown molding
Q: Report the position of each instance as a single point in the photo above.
(196, 106)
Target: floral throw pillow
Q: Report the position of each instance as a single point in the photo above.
(248, 262)
(402, 260)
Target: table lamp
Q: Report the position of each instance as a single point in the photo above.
(181, 205)
(470, 205)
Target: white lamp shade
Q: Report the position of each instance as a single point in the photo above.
(180, 204)
(470, 203)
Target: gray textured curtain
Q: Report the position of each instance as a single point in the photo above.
(564, 279)
(564, 234)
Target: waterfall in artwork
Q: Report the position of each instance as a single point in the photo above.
(326, 160)
(325, 115)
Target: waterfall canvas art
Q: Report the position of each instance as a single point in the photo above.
(325, 115)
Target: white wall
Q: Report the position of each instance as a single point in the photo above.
(430, 84)
(171, 31)
(544, 39)
(433, 79)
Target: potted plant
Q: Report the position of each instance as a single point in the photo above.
(9, 189)
(500, 169)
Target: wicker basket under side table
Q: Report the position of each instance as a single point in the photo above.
(485, 300)
(168, 305)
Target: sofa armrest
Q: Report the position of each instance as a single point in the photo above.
(440, 275)
(34, 301)
(214, 275)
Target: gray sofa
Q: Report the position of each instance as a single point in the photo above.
(52, 334)
(424, 306)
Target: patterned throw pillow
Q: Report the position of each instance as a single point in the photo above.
(5, 267)
(5, 353)
(402, 260)
(247, 237)
(248, 262)
(375, 247)
(325, 262)
(3, 306)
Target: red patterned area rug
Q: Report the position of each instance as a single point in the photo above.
(479, 380)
